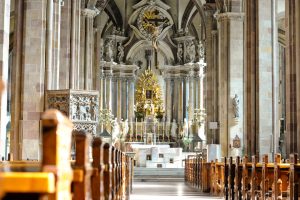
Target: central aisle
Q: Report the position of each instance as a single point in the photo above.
(166, 191)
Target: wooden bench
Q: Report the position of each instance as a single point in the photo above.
(87, 178)
(55, 176)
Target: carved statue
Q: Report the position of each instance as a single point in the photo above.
(109, 51)
(185, 128)
(120, 52)
(235, 104)
(179, 53)
(126, 128)
(201, 50)
(174, 129)
(190, 52)
(115, 130)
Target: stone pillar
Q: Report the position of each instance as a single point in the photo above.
(251, 72)
(191, 95)
(108, 84)
(292, 15)
(124, 98)
(231, 80)
(75, 45)
(119, 99)
(33, 77)
(4, 52)
(53, 44)
(168, 100)
(209, 86)
(89, 15)
(65, 50)
(180, 100)
(131, 114)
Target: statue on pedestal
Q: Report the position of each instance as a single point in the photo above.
(235, 104)
(179, 53)
(174, 129)
(185, 128)
(120, 52)
(115, 131)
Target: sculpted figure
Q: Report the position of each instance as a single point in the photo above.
(235, 104)
(174, 129)
(179, 53)
(120, 52)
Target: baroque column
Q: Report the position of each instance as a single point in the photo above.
(4, 54)
(89, 15)
(131, 113)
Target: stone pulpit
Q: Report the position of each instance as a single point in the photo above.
(81, 106)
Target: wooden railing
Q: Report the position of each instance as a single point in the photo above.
(107, 177)
(245, 179)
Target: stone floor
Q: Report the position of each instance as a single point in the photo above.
(166, 191)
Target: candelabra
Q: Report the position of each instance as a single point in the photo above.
(105, 117)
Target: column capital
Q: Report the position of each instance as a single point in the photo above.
(90, 13)
(230, 16)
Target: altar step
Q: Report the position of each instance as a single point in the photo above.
(158, 174)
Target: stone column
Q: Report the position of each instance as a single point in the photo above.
(65, 46)
(33, 77)
(180, 100)
(292, 15)
(119, 99)
(75, 45)
(131, 114)
(53, 44)
(213, 135)
(191, 95)
(231, 80)
(209, 85)
(4, 55)
(124, 98)
(168, 100)
(89, 15)
(108, 84)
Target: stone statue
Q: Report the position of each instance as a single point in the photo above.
(190, 51)
(179, 53)
(201, 50)
(174, 129)
(115, 130)
(235, 104)
(185, 128)
(125, 127)
(120, 52)
(109, 51)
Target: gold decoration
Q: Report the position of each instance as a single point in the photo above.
(148, 96)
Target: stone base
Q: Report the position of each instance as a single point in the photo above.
(213, 152)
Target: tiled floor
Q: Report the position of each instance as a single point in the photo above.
(165, 191)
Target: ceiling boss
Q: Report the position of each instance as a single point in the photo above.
(151, 21)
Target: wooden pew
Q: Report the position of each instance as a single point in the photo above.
(281, 176)
(55, 176)
(97, 177)
(107, 174)
(294, 177)
(82, 187)
(238, 179)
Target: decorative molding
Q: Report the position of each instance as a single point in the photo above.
(230, 16)
(80, 106)
(90, 13)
